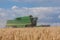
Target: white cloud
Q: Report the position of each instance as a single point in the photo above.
(14, 7)
(55, 24)
(59, 16)
(2, 14)
(41, 12)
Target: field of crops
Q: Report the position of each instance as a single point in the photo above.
(40, 33)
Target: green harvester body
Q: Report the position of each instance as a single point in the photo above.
(19, 22)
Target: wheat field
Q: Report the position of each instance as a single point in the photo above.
(39, 33)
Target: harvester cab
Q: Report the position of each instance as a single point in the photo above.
(33, 21)
(25, 21)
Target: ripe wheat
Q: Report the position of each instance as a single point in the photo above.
(40, 33)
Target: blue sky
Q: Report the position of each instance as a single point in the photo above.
(48, 11)
(29, 3)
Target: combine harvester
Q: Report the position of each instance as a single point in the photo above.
(26, 21)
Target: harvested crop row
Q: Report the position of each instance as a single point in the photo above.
(42, 33)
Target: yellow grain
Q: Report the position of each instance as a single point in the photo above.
(39, 33)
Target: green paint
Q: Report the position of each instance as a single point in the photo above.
(19, 22)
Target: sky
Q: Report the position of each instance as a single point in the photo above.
(47, 11)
